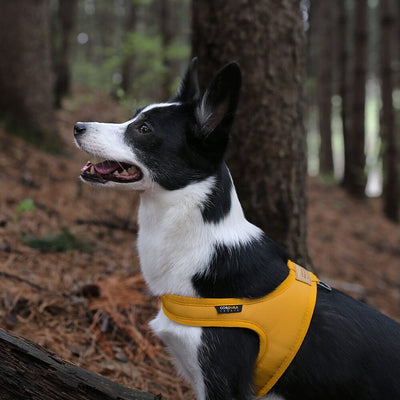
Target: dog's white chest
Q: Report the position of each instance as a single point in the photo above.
(183, 343)
(173, 241)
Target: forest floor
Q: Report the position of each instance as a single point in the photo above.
(81, 295)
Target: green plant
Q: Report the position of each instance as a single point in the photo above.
(59, 243)
(25, 206)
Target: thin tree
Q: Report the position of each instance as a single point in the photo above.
(128, 63)
(344, 91)
(355, 180)
(267, 156)
(166, 32)
(387, 127)
(397, 83)
(324, 19)
(26, 85)
(63, 35)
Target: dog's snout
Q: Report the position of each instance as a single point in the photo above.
(79, 128)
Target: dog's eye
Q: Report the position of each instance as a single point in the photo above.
(144, 128)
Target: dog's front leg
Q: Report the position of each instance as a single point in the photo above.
(183, 343)
(227, 357)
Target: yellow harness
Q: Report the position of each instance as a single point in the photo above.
(281, 320)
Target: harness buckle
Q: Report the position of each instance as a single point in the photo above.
(324, 286)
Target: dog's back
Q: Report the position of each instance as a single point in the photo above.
(350, 352)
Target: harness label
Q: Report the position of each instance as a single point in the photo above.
(229, 309)
(303, 275)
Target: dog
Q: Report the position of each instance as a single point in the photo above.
(194, 241)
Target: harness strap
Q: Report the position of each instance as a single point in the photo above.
(281, 319)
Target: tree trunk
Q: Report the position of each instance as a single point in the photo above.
(324, 19)
(26, 85)
(267, 154)
(62, 40)
(128, 64)
(166, 33)
(344, 87)
(397, 47)
(387, 126)
(29, 372)
(356, 179)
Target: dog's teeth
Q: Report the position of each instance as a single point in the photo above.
(132, 170)
(124, 172)
(115, 173)
(92, 170)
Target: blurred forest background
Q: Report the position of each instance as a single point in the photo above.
(321, 94)
(136, 50)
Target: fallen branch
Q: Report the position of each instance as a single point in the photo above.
(19, 279)
(28, 371)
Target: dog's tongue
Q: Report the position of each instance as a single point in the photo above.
(107, 167)
(104, 168)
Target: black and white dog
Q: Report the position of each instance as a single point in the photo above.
(195, 241)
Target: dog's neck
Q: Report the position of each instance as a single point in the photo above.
(180, 230)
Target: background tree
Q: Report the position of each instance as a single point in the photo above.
(325, 18)
(355, 181)
(128, 62)
(343, 52)
(397, 48)
(26, 94)
(387, 126)
(63, 23)
(166, 32)
(267, 156)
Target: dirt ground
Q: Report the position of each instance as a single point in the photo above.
(89, 304)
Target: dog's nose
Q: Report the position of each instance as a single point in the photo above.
(79, 128)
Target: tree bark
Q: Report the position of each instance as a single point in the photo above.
(29, 372)
(26, 84)
(166, 33)
(267, 154)
(62, 41)
(387, 127)
(344, 87)
(398, 47)
(128, 64)
(325, 76)
(356, 179)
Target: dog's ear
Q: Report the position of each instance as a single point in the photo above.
(216, 110)
(189, 88)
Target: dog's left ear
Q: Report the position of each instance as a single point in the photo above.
(189, 88)
(217, 107)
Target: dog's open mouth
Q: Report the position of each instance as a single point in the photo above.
(114, 171)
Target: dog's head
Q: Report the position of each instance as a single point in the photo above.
(170, 144)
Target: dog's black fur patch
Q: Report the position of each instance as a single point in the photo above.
(232, 270)
(219, 201)
(228, 369)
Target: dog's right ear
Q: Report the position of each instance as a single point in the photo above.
(216, 110)
(189, 88)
